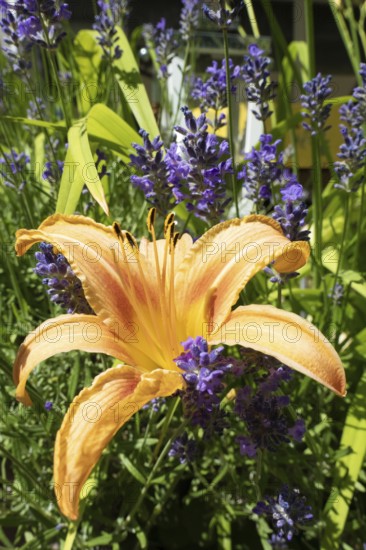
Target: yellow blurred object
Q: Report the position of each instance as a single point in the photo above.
(240, 119)
(303, 140)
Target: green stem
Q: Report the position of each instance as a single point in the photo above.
(230, 120)
(317, 208)
(353, 25)
(310, 39)
(343, 31)
(155, 468)
(360, 221)
(279, 295)
(68, 120)
(343, 239)
(252, 18)
(181, 88)
(171, 410)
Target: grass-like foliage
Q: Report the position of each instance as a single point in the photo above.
(225, 343)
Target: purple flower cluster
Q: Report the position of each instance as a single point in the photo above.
(154, 181)
(13, 169)
(16, 46)
(164, 44)
(212, 93)
(292, 213)
(264, 415)
(203, 373)
(34, 22)
(255, 73)
(353, 150)
(317, 91)
(53, 171)
(64, 288)
(263, 168)
(184, 448)
(189, 18)
(111, 14)
(193, 170)
(200, 163)
(337, 294)
(286, 512)
(221, 16)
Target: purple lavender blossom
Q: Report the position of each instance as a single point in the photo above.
(111, 14)
(48, 406)
(203, 373)
(263, 168)
(189, 18)
(154, 179)
(64, 288)
(255, 73)
(40, 22)
(221, 16)
(287, 512)
(164, 44)
(317, 91)
(36, 109)
(183, 448)
(337, 294)
(212, 92)
(292, 214)
(13, 170)
(199, 164)
(53, 171)
(353, 150)
(16, 47)
(263, 413)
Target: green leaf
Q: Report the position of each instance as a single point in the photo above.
(110, 129)
(347, 469)
(133, 470)
(129, 79)
(88, 56)
(30, 122)
(79, 169)
(330, 260)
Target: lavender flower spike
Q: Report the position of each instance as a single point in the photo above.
(189, 18)
(221, 16)
(199, 164)
(317, 91)
(259, 89)
(287, 512)
(64, 288)
(154, 179)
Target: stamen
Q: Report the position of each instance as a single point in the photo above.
(168, 222)
(124, 238)
(160, 276)
(131, 240)
(176, 238)
(172, 311)
(151, 219)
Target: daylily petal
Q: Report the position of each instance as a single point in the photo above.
(287, 337)
(223, 260)
(66, 333)
(95, 255)
(94, 417)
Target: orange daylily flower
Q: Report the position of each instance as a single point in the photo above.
(149, 299)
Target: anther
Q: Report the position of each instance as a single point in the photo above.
(131, 240)
(168, 222)
(175, 238)
(117, 230)
(151, 219)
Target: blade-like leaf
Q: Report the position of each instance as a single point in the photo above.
(129, 78)
(347, 469)
(108, 128)
(79, 169)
